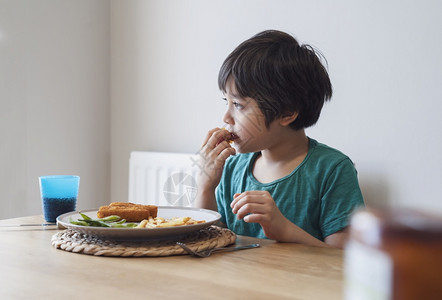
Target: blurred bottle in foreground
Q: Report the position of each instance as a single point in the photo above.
(393, 254)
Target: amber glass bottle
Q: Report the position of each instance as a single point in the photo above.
(394, 254)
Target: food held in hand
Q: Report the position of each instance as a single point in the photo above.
(230, 138)
(131, 212)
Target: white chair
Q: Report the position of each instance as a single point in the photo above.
(163, 179)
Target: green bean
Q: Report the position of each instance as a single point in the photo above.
(82, 223)
(97, 223)
(111, 218)
(120, 226)
(109, 221)
(85, 217)
(130, 225)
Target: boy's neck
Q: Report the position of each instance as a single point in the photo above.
(291, 145)
(280, 160)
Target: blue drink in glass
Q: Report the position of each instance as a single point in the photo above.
(59, 195)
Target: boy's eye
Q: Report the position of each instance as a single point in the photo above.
(237, 105)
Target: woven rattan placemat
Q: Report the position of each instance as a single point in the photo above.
(207, 238)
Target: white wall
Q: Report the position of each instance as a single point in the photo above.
(384, 60)
(54, 100)
(163, 56)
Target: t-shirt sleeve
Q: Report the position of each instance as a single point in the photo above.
(219, 194)
(341, 197)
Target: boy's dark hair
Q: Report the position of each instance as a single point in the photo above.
(281, 75)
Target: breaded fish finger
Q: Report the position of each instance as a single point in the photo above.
(130, 211)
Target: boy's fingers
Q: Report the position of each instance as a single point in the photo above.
(235, 200)
(214, 138)
(209, 135)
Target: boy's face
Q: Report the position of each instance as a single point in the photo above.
(247, 122)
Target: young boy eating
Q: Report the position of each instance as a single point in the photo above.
(273, 181)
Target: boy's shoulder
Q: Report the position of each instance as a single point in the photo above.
(322, 152)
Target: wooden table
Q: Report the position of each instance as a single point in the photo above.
(32, 269)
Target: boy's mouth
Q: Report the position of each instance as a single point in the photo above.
(233, 137)
(230, 138)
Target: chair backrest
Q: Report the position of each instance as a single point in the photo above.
(163, 179)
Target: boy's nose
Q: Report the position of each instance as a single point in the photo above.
(227, 118)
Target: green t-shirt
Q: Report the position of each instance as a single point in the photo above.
(319, 195)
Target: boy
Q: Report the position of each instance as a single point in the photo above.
(281, 184)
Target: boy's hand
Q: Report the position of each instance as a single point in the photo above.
(259, 207)
(212, 156)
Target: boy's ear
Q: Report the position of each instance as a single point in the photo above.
(288, 118)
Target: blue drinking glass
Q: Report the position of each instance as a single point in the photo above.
(58, 194)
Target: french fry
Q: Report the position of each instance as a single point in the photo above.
(142, 224)
(159, 222)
